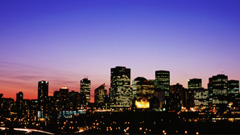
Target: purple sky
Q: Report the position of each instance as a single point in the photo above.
(62, 41)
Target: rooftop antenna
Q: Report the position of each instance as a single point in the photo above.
(222, 71)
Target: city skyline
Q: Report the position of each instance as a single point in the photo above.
(64, 42)
(92, 93)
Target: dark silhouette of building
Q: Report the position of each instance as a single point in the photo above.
(43, 96)
(85, 87)
(64, 99)
(19, 104)
(120, 91)
(7, 106)
(176, 97)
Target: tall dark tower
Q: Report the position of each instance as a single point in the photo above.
(42, 95)
(85, 87)
(19, 104)
(120, 91)
(162, 87)
(218, 91)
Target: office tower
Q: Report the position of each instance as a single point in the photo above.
(63, 98)
(144, 88)
(33, 109)
(176, 97)
(200, 99)
(43, 95)
(19, 104)
(26, 108)
(134, 86)
(7, 107)
(194, 84)
(197, 97)
(99, 95)
(85, 86)
(233, 89)
(162, 86)
(233, 94)
(218, 91)
(120, 91)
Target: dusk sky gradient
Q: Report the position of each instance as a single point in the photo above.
(63, 41)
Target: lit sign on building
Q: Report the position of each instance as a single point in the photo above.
(143, 103)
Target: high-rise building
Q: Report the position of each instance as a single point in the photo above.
(64, 99)
(19, 104)
(162, 87)
(42, 94)
(120, 91)
(144, 88)
(85, 86)
(135, 85)
(99, 95)
(7, 106)
(233, 88)
(218, 87)
(200, 99)
(176, 97)
(197, 96)
(194, 84)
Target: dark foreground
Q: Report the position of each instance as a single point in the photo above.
(140, 123)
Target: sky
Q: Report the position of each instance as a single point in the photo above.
(63, 41)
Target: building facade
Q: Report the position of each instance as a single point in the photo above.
(120, 91)
(162, 88)
(43, 96)
(233, 89)
(85, 87)
(100, 94)
(218, 91)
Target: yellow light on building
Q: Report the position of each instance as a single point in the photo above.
(143, 103)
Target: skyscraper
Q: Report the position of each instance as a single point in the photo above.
(42, 94)
(120, 91)
(19, 104)
(233, 89)
(162, 86)
(85, 87)
(194, 86)
(176, 97)
(194, 83)
(63, 98)
(135, 85)
(218, 91)
(144, 88)
(99, 95)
